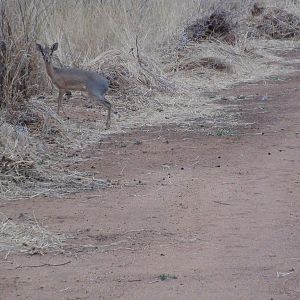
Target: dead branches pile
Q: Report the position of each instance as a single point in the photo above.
(219, 25)
(275, 23)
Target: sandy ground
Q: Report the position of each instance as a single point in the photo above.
(216, 216)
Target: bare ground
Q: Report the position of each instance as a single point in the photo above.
(216, 216)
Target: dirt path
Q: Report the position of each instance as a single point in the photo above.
(219, 213)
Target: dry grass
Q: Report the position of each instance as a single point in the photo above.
(28, 237)
(32, 156)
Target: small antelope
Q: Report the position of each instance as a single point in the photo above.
(75, 79)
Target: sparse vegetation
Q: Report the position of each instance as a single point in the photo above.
(164, 277)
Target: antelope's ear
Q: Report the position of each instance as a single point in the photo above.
(54, 47)
(39, 47)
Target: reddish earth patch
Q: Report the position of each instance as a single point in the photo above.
(219, 213)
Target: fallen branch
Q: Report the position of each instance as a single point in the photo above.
(134, 280)
(43, 265)
(222, 203)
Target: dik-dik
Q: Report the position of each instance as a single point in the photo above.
(73, 79)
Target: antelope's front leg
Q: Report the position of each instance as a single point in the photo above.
(59, 100)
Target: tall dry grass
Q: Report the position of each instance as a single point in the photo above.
(87, 28)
